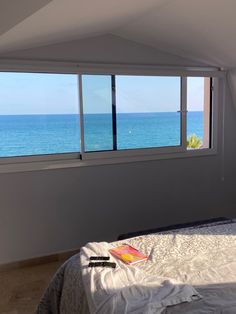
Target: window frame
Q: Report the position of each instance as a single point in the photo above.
(40, 157)
(88, 155)
(90, 158)
(155, 151)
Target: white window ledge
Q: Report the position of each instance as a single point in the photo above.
(74, 163)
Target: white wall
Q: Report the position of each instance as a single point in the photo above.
(48, 211)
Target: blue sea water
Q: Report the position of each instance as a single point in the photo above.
(22, 135)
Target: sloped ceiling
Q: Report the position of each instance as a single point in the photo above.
(101, 49)
(13, 12)
(202, 30)
(63, 20)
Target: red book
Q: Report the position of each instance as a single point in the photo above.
(128, 254)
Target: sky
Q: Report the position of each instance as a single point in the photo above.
(26, 93)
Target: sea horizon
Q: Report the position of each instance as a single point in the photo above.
(36, 134)
(100, 113)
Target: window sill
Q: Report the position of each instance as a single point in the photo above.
(75, 163)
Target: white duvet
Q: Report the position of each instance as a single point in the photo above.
(128, 289)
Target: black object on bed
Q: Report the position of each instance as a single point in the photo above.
(171, 227)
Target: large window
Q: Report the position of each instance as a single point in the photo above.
(103, 115)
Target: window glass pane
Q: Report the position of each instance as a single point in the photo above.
(97, 107)
(198, 116)
(147, 111)
(38, 114)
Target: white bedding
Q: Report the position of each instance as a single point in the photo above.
(127, 289)
(204, 257)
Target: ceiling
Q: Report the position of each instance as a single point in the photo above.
(204, 30)
(13, 12)
(64, 20)
(201, 30)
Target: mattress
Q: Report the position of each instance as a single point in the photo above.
(203, 256)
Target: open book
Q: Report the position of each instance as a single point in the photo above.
(128, 254)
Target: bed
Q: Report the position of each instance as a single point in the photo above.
(202, 255)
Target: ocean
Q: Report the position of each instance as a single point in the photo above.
(24, 135)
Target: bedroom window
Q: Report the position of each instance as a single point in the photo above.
(52, 116)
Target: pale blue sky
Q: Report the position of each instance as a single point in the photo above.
(148, 94)
(25, 93)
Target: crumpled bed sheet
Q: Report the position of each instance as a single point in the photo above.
(204, 257)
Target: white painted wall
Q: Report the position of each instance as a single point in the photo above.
(48, 211)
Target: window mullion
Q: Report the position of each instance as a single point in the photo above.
(114, 126)
(81, 111)
(183, 112)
